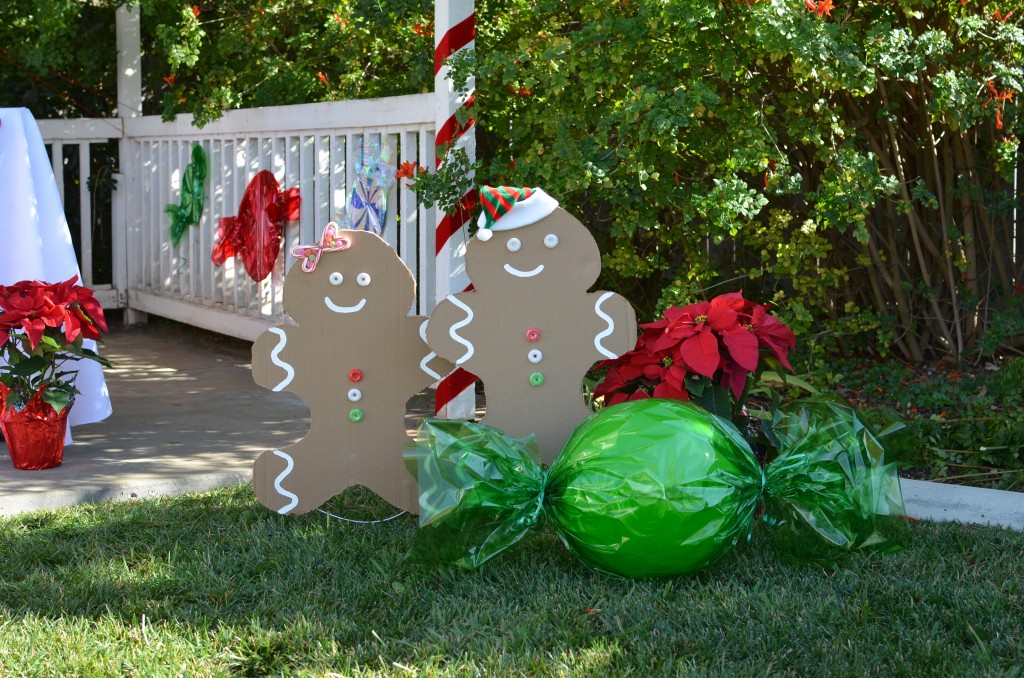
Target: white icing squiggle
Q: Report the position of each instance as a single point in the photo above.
(524, 274)
(606, 332)
(430, 356)
(277, 483)
(344, 309)
(275, 358)
(454, 331)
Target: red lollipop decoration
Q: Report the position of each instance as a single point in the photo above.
(256, 233)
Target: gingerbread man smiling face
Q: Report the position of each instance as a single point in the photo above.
(530, 329)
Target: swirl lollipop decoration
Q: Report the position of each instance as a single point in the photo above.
(374, 176)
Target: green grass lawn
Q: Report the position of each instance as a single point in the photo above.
(216, 584)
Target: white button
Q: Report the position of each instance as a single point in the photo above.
(355, 395)
(535, 356)
(513, 245)
(363, 279)
(551, 241)
(337, 278)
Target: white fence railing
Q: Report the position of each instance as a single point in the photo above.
(312, 146)
(85, 135)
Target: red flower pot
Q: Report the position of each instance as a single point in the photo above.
(35, 433)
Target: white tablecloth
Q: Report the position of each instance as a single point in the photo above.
(35, 242)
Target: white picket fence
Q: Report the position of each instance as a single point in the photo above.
(312, 146)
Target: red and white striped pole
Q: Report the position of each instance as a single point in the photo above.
(454, 31)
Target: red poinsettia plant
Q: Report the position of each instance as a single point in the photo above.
(713, 352)
(42, 329)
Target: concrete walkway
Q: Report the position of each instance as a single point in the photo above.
(188, 418)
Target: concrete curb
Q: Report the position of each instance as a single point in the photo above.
(28, 502)
(943, 502)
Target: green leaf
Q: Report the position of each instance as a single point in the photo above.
(715, 400)
(30, 366)
(769, 377)
(58, 398)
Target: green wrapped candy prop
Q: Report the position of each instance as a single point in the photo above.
(190, 210)
(653, 487)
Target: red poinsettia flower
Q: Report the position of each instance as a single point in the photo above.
(723, 339)
(62, 314)
(773, 334)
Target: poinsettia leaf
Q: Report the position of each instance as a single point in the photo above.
(29, 366)
(721, 316)
(742, 346)
(93, 355)
(774, 365)
(770, 377)
(716, 400)
(663, 342)
(667, 390)
(50, 341)
(696, 384)
(700, 352)
(58, 398)
(735, 379)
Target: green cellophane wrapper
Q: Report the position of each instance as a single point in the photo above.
(656, 487)
(830, 491)
(481, 490)
(190, 210)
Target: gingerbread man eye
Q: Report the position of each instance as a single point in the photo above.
(513, 245)
(363, 279)
(551, 241)
(336, 278)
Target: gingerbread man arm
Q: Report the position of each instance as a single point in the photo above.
(446, 333)
(430, 367)
(618, 325)
(271, 369)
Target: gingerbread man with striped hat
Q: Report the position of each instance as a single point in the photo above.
(529, 329)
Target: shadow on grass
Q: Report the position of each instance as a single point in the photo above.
(263, 593)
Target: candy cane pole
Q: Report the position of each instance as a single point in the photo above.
(454, 31)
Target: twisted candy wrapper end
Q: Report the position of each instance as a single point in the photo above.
(481, 490)
(830, 491)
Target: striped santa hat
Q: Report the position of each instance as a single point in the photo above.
(505, 208)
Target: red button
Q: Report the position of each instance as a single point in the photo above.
(355, 375)
(533, 335)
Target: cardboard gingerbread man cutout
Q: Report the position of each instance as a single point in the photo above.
(355, 358)
(530, 330)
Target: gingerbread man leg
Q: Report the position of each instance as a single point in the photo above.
(299, 478)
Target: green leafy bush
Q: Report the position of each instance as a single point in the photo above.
(853, 166)
(962, 427)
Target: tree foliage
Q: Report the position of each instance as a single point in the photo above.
(47, 66)
(853, 164)
(853, 167)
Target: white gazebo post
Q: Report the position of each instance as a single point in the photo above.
(454, 31)
(129, 105)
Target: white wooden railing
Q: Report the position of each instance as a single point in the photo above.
(309, 146)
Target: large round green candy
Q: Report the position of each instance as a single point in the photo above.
(652, 488)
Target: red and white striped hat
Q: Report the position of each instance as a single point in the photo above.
(505, 208)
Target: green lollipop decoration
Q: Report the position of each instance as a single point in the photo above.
(193, 195)
(653, 487)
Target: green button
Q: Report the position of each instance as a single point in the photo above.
(536, 379)
(355, 415)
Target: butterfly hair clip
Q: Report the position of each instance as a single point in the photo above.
(331, 241)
